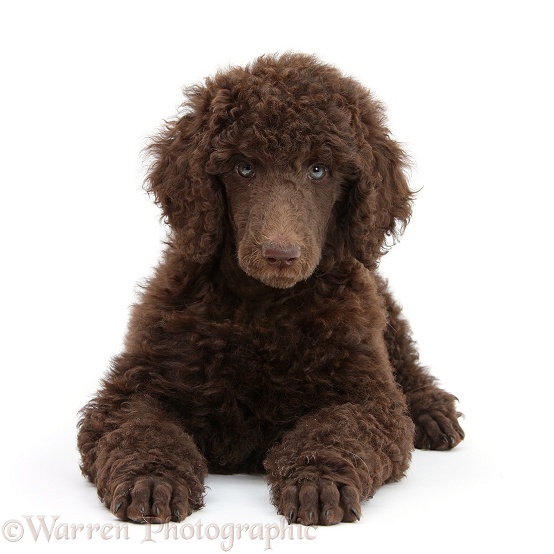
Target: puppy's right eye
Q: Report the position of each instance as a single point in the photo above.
(317, 172)
(246, 170)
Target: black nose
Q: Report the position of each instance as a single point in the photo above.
(280, 255)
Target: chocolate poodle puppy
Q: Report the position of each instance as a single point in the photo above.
(266, 342)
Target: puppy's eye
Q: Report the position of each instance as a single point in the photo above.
(317, 172)
(244, 169)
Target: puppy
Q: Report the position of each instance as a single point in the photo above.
(266, 342)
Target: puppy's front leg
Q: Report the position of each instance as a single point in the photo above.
(432, 409)
(334, 459)
(146, 468)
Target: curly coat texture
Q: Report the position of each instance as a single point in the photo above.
(266, 342)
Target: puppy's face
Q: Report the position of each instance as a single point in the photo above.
(280, 217)
(285, 150)
(288, 152)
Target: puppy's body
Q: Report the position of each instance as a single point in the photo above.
(265, 341)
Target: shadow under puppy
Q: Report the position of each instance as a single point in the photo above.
(265, 341)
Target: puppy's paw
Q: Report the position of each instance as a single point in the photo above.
(437, 430)
(151, 500)
(319, 502)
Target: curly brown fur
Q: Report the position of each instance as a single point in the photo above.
(266, 342)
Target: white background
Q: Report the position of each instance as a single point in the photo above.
(469, 91)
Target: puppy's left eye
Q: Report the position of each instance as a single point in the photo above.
(246, 170)
(317, 172)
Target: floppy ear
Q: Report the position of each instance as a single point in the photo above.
(380, 201)
(191, 199)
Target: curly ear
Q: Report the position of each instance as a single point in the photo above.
(191, 200)
(380, 201)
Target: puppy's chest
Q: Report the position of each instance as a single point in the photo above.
(277, 361)
(274, 353)
(276, 373)
(287, 356)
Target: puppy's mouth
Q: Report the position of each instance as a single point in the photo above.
(276, 264)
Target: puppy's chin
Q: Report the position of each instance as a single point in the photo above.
(279, 281)
(275, 278)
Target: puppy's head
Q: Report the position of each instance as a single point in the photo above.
(292, 157)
